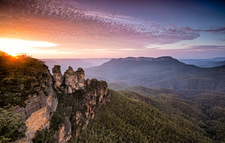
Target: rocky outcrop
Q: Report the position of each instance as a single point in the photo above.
(89, 96)
(53, 107)
(80, 78)
(40, 119)
(39, 107)
(64, 132)
(96, 96)
(70, 81)
(57, 76)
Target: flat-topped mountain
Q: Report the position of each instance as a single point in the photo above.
(147, 59)
(159, 72)
(142, 61)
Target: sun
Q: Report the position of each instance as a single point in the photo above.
(15, 47)
(13, 51)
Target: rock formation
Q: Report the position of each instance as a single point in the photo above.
(46, 107)
(89, 95)
(64, 132)
(62, 104)
(39, 107)
(57, 75)
(70, 81)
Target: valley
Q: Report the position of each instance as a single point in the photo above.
(44, 107)
(164, 72)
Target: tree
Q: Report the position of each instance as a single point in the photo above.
(12, 126)
(44, 136)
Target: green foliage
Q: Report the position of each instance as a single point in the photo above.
(204, 108)
(128, 120)
(168, 101)
(44, 136)
(95, 85)
(69, 104)
(117, 85)
(19, 77)
(12, 126)
(67, 107)
(204, 98)
(212, 104)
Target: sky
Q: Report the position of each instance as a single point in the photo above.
(113, 28)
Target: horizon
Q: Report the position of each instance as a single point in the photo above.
(129, 57)
(82, 29)
(109, 58)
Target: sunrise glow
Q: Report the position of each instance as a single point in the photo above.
(97, 29)
(18, 46)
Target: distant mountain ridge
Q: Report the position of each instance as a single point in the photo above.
(219, 58)
(205, 63)
(75, 63)
(164, 72)
(143, 60)
(165, 58)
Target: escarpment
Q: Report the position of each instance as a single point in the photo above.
(26, 91)
(63, 104)
(40, 105)
(79, 100)
(44, 107)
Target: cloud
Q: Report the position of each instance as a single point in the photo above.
(211, 30)
(216, 30)
(84, 25)
(208, 47)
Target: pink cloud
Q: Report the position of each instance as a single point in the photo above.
(126, 26)
(75, 29)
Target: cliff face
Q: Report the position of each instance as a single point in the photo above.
(62, 104)
(39, 106)
(96, 96)
(44, 107)
(64, 132)
(41, 118)
(87, 97)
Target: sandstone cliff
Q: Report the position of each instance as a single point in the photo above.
(80, 98)
(39, 106)
(36, 106)
(63, 104)
(70, 81)
(42, 107)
